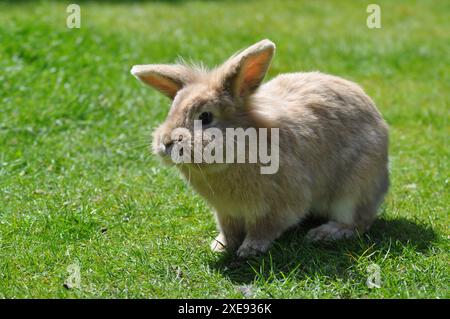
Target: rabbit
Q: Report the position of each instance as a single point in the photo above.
(333, 148)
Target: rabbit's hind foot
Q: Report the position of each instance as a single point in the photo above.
(330, 231)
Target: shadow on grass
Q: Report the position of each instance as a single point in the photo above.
(293, 256)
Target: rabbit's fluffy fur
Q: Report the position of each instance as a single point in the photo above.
(333, 146)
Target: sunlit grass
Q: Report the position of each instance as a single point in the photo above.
(79, 186)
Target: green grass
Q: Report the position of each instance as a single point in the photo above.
(78, 185)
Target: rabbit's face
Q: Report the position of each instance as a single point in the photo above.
(199, 112)
(204, 104)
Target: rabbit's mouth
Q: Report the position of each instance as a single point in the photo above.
(184, 161)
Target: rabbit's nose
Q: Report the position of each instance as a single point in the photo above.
(167, 141)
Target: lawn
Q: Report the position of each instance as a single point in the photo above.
(79, 188)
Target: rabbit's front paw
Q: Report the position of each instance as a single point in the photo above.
(253, 247)
(218, 245)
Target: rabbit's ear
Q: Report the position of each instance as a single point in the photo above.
(244, 72)
(166, 78)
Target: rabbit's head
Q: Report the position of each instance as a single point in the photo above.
(215, 99)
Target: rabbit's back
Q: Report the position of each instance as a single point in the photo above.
(322, 108)
(325, 97)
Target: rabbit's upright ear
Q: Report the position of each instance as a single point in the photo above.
(166, 78)
(244, 72)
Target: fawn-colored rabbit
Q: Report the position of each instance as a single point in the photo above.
(333, 147)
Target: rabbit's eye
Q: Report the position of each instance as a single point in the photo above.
(206, 118)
